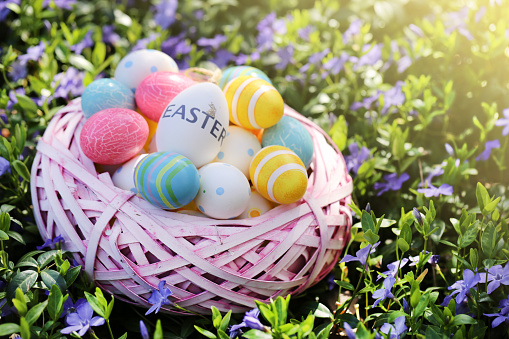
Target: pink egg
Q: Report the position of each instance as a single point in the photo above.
(156, 91)
(113, 136)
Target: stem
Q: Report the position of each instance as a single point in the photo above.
(92, 334)
(7, 80)
(359, 282)
(109, 328)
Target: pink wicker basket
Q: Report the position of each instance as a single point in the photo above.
(126, 245)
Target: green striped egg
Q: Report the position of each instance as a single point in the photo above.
(167, 179)
(236, 71)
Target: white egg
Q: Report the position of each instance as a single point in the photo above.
(137, 65)
(224, 191)
(239, 147)
(194, 124)
(256, 206)
(124, 176)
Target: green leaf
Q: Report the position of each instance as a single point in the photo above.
(99, 53)
(339, 132)
(55, 302)
(406, 233)
(323, 311)
(367, 222)
(222, 334)
(462, 319)
(50, 278)
(16, 236)
(256, 334)
(469, 236)
(489, 240)
(124, 336)
(20, 303)
(109, 309)
(5, 221)
(226, 321)
(403, 245)
(24, 328)
(24, 280)
(81, 63)
(35, 312)
(421, 306)
(490, 207)
(345, 285)
(46, 257)
(415, 294)
(394, 315)
(8, 329)
(27, 104)
(22, 169)
(158, 333)
(202, 331)
(71, 275)
(94, 303)
(216, 317)
(482, 196)
(474, 257)
(3, 236)
(371, 237)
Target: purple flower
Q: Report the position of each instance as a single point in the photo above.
(143, 43)
(165, 13)
(416, 30)
(374, 54)
(316, 58)
(395, 331)
(457, 22)
(356, 157)
(493, 2)
(286, 55)
(222, 58)
(502, 316)
(417, 216)
(393, 268)
(109, 35)
(330, 281)
(393, 183)
(496, 276)
(403, 63)
(449, 149)
(267, 27)
(362, 254)
(49, 242)
(504, 122)
(485, 155)
(3, 118)
(212, 43)
(5, 166)
(159, 298)
(33, 53)
(462, 287)
(367, 103)
(305, 32)
(84, 43)
(4, 11)
(406, 307)
(432, 191)
(62, 4)
(69, 307)
(353, 29)
(349, 331)
(433, 260)
(436, 171)
(143, 330)
(250, 320)
(480, 13)
(71, 82)
(18, 71)
(393, 97)
(335, 65)
(176, 46)
(81, 320)
(384, 292)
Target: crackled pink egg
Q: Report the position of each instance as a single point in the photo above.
(156, 91)
(113, 136)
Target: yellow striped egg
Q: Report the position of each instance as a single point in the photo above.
(278, 174)
(253, 103)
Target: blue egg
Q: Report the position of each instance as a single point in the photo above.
(290, 133)
(236, 71)
(106, 93)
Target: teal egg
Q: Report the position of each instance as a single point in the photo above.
(290, 133)
(106, 93)
(236, 71)
(166, 179)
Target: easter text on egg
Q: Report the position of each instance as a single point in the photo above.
(192, 117)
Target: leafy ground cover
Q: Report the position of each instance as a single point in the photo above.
(413, 93)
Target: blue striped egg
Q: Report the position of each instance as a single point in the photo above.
(236, 71)
(167, 179)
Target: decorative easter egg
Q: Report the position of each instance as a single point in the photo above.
(113, 136)
(253, 103)
(256, 206)
(106, 93)
(166, 179)
(194, 124)
(123, 177)
(279, 175)
(137, 65)
(291, 133)
(224, 191)
(236, 71)
(238, 149)
(156, 91)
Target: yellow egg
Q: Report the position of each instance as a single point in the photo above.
(152, 128)
(253, 103)
(278, 174)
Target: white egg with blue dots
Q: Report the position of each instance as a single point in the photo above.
(123, 177)
(137, 65)
(256, 206)
(238, 149)
(224, 191)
